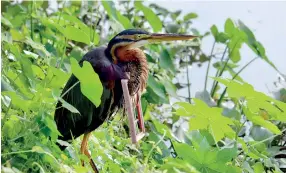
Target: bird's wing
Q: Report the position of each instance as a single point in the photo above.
(90, 117)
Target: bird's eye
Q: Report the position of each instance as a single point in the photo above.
(137, 37)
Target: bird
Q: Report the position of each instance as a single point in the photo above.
(121, 59)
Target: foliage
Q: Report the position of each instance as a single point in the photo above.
(204, 134)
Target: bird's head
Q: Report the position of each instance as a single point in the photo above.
(135, 38)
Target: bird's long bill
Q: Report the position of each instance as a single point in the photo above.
(157, 38)
(169, 37)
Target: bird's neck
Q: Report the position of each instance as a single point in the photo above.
(135, 57)
(128, 55)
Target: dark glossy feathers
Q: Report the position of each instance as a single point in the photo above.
(69, 123)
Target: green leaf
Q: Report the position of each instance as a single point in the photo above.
(75, 34)
(222, 37)
(37, 46)
(163, 129)
(152, 18)
(68, 106)
(248, 32)
(173, 164)
(219, 36)
(38, 149)
(156, 92)
(18, 101)
(204, 117)
(38, 72)
(172, 28)
(124, 21)
(109, 6)
(6, 22)
(256, 119)
(166, 61)
(214, 31)
(256, 102)
(90, 84)
(74, 20)
(170, 88)
(254, 44)
(234, 46)
(229, 27)
(204, 158)
(258, 167)
(12, 127)
(226, 154)
(190, 16)
(16, 35)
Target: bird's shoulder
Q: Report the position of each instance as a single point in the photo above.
(103, 65)
(97, 56)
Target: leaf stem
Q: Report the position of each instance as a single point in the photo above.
(154, 146)
(69, 89)
(208, 68)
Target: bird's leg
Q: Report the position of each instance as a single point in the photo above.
(83, 150)
(139, 112)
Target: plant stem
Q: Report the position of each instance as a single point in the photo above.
(219, 75)
(224, 91)
(152, 149)
(17, 152)
(31, 21)
(64, 53)
(217, 72)
(189, 85)
(208, 68)
(59, 20)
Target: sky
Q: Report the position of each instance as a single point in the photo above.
(265, 19)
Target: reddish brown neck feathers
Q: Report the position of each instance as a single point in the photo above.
(135, 55)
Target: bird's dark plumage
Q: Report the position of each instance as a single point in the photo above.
(69, 123)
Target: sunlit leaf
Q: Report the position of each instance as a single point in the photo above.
(75, 34)
(190, 16)
(90, 84)
(204, 117)
(229, 27)
(68, 106)
(6, 22)
(152, 18)
(16, 35)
